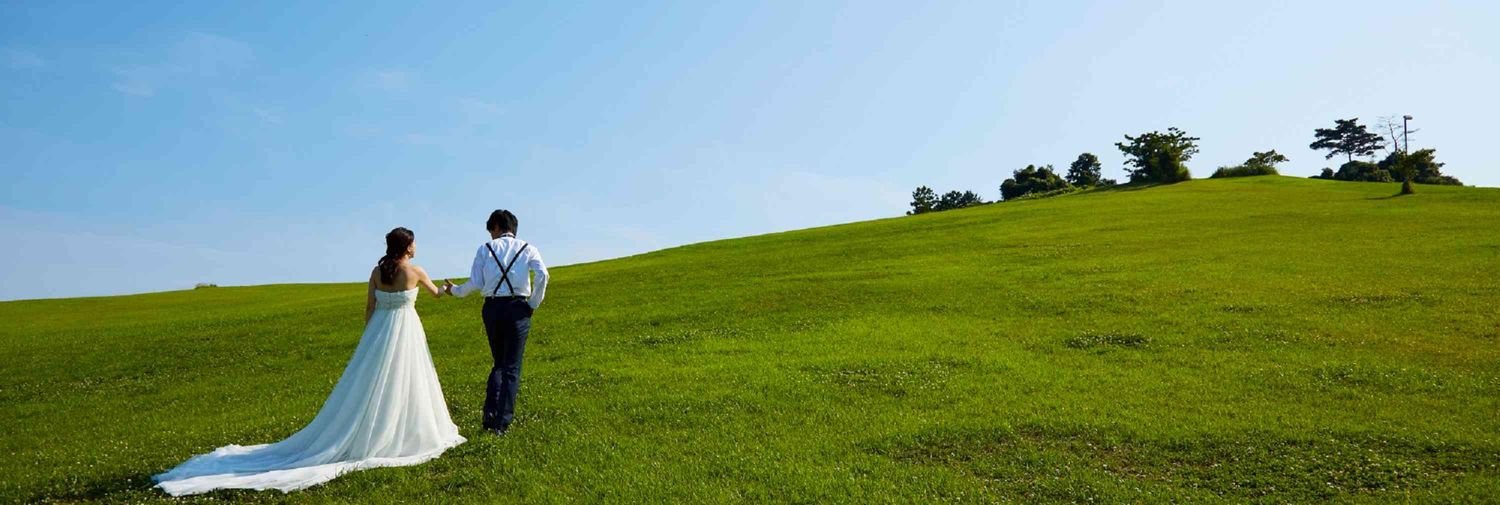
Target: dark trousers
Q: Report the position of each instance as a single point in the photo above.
(506, 322)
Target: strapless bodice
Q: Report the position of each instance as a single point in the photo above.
(396, 300)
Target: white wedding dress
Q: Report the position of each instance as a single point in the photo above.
(387, 410)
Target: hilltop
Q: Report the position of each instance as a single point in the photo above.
(1253, 339)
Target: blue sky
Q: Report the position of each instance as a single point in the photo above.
(151, 146)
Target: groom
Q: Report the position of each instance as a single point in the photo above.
(501, 270)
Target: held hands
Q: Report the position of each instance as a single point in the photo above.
(448, 287)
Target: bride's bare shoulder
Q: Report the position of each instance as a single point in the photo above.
(415, 270)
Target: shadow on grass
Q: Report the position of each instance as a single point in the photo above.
(893, 378)
(102, 489)
(1070, 462)
(1104, 341)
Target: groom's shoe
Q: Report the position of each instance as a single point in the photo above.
(499, 432)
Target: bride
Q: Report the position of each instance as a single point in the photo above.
(387, 409)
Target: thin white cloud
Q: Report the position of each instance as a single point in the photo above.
(458, 130)
(196, 55)
(20, 58)
(476, 108)
(135, 80)
(388, 80)
(361, 130)
(211, 55)
(267, 115)
(424, 139)
(239, 109)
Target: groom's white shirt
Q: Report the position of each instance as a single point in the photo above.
(484, 275)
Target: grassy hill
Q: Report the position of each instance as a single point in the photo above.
(1260, 339)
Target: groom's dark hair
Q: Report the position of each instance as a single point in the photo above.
(503, 220)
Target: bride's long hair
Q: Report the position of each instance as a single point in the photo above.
(396, 243)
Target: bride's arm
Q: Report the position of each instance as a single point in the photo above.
(370, 296)
(426, 282)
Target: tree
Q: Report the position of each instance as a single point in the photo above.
(1260, 163)
(1401, 166)
(1326, 174)
(1428, 170)
(1393, 129)
(1419, 167)
(1266, 159)
(1159, 157)
(923, 200)
(950, 200)
(1347, 137)
(956, 200)
(1031, 180)
(1085, 171)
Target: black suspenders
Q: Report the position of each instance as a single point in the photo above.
(505, 270)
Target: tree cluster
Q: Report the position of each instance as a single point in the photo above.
(1351, 139)
(1084, 172)
(1152, 157)
(925, 200)
(1157, 157)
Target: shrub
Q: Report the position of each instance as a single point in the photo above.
(1440, 180)
(1031, 180)
(1260, 163)
(1363, 171)
(1244, 171)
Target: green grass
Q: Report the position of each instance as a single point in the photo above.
(1262, 339)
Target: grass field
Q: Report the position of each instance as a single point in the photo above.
(1264, 339)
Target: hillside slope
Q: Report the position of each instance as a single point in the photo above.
(1259, 339)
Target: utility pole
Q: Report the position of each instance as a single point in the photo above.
(1406, 174)
(1405, 132)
